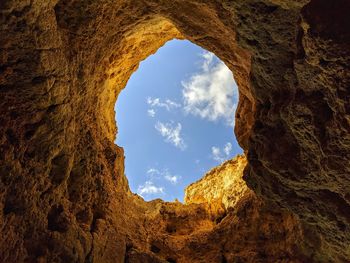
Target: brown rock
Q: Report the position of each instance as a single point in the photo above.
(230, 224)
(64, 196)
(222, 185)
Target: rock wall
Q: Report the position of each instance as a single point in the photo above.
(223, 185)
(218, 224)
(64, 196)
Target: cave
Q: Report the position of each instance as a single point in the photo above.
(183, 99)
(64, 196)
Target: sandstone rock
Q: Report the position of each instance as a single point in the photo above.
(223, 185)
(64, 196)
(204, 230)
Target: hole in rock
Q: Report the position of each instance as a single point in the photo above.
(171, 260)
(155, 249)
(175, 120)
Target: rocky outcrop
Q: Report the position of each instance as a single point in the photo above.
(223, 185)
(218, 224)
(64, 196)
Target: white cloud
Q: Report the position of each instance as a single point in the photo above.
(171, 133)
(151, 112)
(167, 104)
(211, 94)
(174, 179)
(149, 188)
(228, 148)
(171, 178)
(221, 155)
(153, 171)
(216, 153)
(165, 174)
(208, 59)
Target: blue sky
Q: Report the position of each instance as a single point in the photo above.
(175, 120)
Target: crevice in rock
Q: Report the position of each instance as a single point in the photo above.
(171, 260)
(57, 219)
(155, 249)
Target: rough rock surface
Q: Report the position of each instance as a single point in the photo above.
(223, 185)
(212, 227)
(64, 196)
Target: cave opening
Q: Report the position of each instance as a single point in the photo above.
(64, 196)
(175, 120)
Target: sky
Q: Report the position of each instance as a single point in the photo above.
(175, 120)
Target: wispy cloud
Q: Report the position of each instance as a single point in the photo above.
(149, 188)
(165, 174)
(227, 148)
(208, 59)
(211, 93)
(171, 133)
(174, 179)
(151, 113)
(221, 155)
(216, 153)
(167, 103)
(153, 171)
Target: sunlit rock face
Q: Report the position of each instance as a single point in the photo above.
(223, 185)
(64, 196)
(222, 221)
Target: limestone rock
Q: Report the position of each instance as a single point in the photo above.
(204, 230)
(64, 196)
(222, 185)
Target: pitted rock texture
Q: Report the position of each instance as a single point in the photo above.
(64, 196)
(223, 185)
(206, 230)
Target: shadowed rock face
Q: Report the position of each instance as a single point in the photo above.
(64, 196)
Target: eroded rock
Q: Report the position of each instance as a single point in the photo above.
(223, 185)
(224, 223)
(64, 196)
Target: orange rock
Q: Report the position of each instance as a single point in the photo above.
(64, 196)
